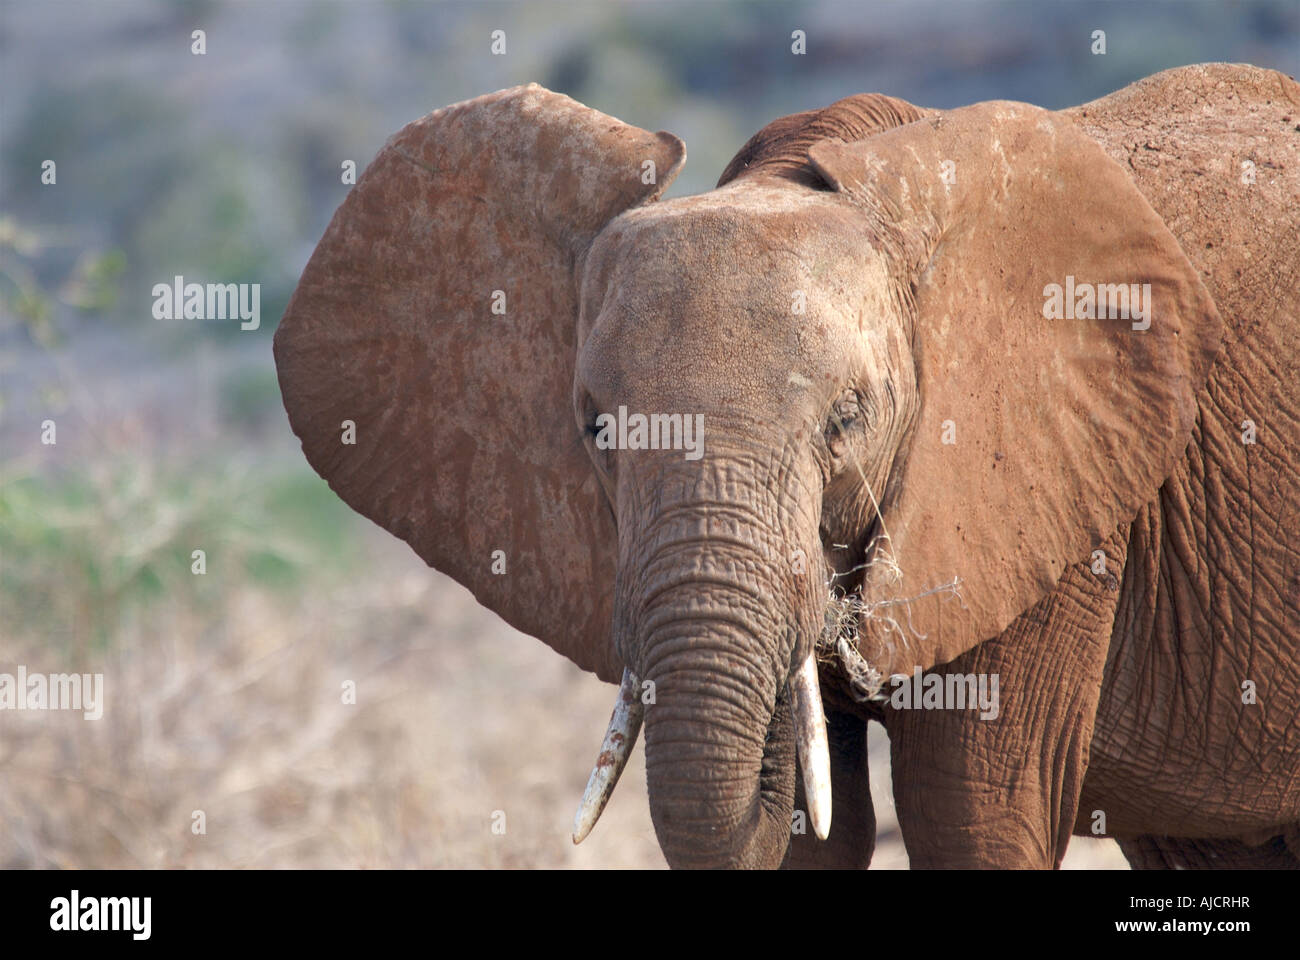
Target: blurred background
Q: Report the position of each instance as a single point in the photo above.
(223, 690)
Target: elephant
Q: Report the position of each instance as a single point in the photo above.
(988, 393)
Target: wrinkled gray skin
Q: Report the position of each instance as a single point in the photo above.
(919, 305)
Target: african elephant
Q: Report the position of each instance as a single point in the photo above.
(995, 391)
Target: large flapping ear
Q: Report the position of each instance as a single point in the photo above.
(1044, 421)
(426, 358)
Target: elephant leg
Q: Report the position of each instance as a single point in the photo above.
(1180, 853)
(1004, 792)
(853, 819)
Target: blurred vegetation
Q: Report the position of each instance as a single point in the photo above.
(89, 548)
(81, 553)
(91, 283)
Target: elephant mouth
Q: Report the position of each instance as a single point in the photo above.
(838, 643)
(851, 619)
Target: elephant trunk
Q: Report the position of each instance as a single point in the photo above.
(720, 775)
(724, 624)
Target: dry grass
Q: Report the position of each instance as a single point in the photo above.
(457, 717)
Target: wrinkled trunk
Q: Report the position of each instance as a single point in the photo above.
(720, 774)
(716, 612)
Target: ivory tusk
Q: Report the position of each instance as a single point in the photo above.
(620, 738)
(810, 736)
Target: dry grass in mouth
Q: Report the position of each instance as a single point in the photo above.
(838, 643)
(847, 613)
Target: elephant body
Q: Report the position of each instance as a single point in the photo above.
(1100, 510)
(1204, 586)
(1211, 594)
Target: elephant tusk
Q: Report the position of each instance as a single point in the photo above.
(620, 738)
(810, 735)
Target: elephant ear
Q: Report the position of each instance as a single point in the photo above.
(426, 357)
(1035, 437)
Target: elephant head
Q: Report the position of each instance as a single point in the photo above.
(846, 374)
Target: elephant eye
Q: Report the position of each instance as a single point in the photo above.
(590, 413)
(845, 412)
(602, 457)
(847, 408)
